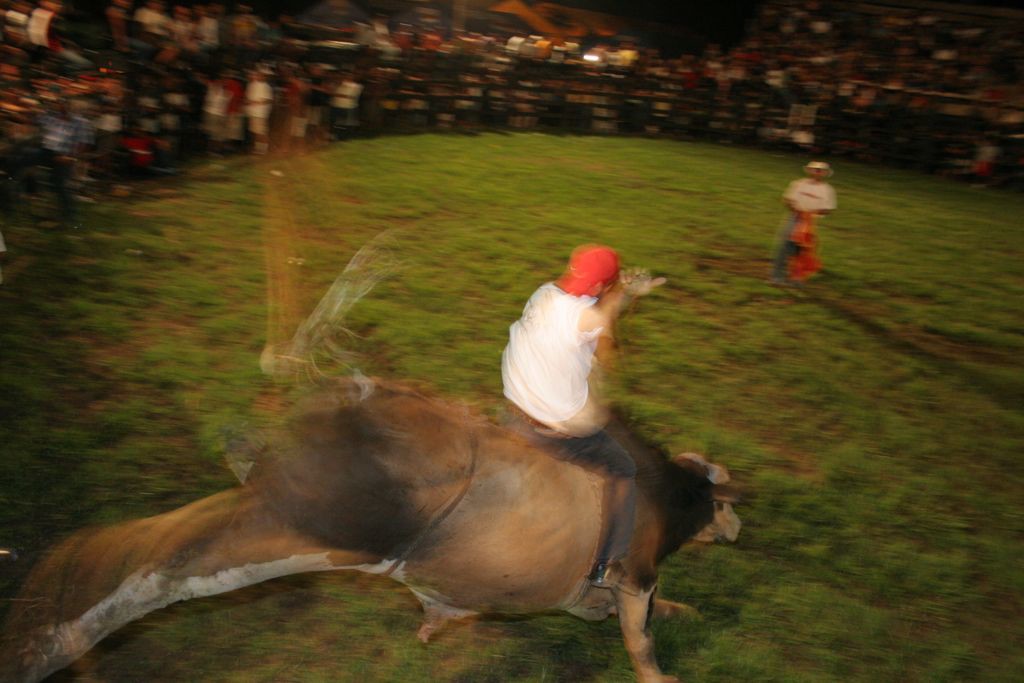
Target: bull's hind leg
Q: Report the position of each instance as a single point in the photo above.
(436, 614)
(101, 579)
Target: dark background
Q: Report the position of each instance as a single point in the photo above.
(720, 21)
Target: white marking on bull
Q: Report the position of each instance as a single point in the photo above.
(144, 592)
(393, 568)
(365, 384)
(726, 524)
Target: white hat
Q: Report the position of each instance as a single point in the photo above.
(819, 166)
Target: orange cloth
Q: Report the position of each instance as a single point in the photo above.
(804, 235)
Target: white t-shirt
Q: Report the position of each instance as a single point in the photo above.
(208, 32)
(259, 97)
(15, 23)
(152, 21)
(39, 26)
(547, 361)
(216, 101)
(810, 195)
(108, 123)
(346, 95)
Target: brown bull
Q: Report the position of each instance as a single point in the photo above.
(468, 515)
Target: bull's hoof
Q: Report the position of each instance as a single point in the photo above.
(667, 609)
(427, 629)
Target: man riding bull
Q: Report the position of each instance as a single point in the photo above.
(549, 375)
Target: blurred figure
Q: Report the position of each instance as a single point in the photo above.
(42, 34)
(985, 156)
(141, 148)
(117, 21)
(296, 90)
(64, 137)
(19, 152)
(154, 28)
(317, 100)
(16, 24)
(109, 124)
(183, 31)
(236, 108)
(174, 110)
(245, 28)
(41, 24)
(549, 376)
(807, 199)
(208, 28)
(345, 107)
(259, 100)
(215, 114)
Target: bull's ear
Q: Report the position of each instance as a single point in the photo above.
(717, 474)
(725, 494)
(682, 459)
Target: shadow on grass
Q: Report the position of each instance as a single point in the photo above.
(938, 351)
(943, 354)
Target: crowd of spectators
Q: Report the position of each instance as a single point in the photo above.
(920, 86)
(156, 85)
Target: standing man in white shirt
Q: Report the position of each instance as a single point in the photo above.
(259, 99)
(548, 374)
(207, 28)
(153, 24)
(807, 199)
(345, 107)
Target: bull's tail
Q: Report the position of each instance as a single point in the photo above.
(319, 341)
(100, 579)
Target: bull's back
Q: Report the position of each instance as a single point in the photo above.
(368, 476)
(456, 507)
(520, 539)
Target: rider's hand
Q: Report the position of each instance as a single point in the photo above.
(638, 282)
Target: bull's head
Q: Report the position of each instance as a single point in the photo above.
(725, 525)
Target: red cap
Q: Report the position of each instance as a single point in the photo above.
(591, 267)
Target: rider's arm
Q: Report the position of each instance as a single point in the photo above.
(610, 305)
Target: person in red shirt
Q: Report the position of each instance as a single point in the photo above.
(235, 110)
(141, 149)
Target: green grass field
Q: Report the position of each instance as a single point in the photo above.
(873, 419)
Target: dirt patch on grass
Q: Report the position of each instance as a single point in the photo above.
(800, 464)
(271, 401)
(744, 267)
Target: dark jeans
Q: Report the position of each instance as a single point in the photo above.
(16, 179)
(780, 269)
(60, 177)
(786, 250)
(602, 454)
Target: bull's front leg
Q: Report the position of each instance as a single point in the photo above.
(635, 609)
